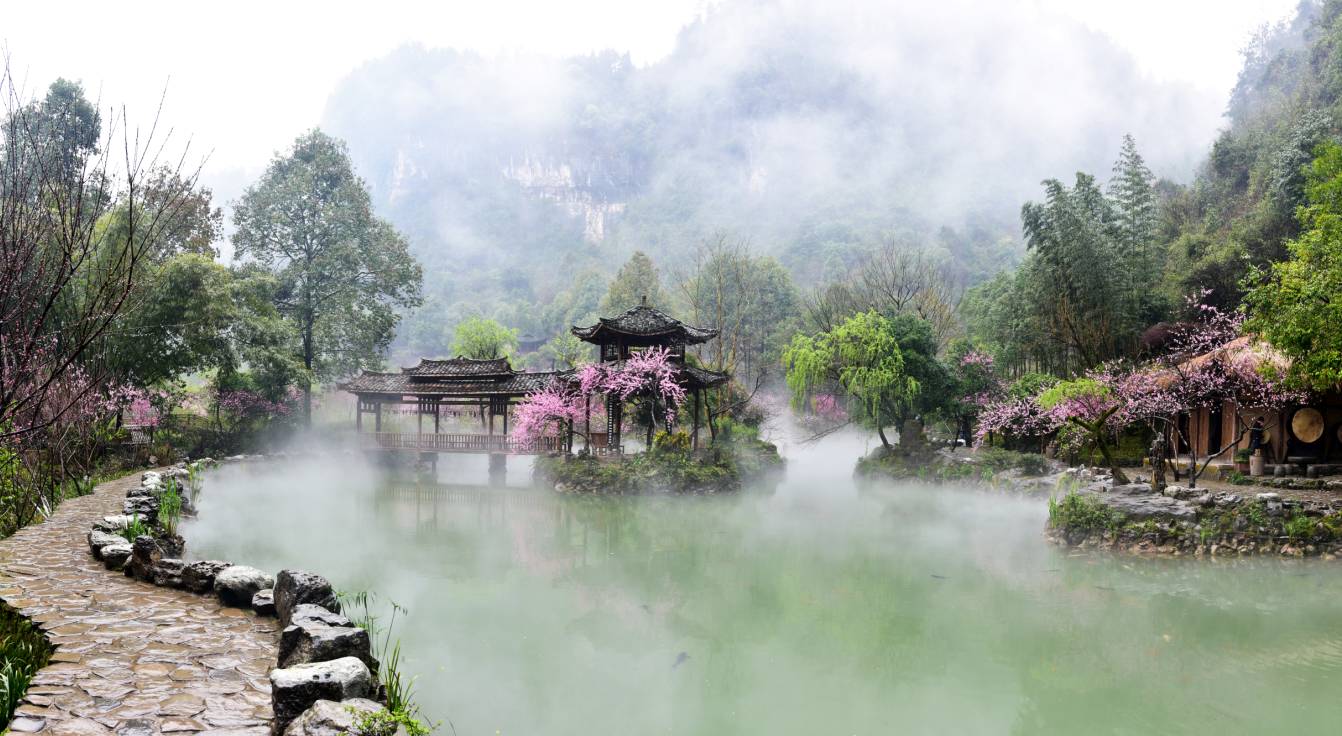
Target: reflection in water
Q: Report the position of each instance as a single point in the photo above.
(819, 608)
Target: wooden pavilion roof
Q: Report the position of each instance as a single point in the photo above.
(460, 367)
(451, 377)
(644, 324)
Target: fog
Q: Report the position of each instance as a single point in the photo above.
(818, 606)
(810, 131)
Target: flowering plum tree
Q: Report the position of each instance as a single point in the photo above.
(650, 374)
(974, 385)
(1210, 365)
(543, 413)
(1091, 404)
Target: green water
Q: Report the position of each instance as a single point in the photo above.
(815, 609)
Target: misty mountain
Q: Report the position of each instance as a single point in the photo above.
(811, 133)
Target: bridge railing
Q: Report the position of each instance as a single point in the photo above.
(461, 442)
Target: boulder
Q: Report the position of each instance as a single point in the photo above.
(145, 553)
(296, 587)
(1137, 507)
(173, 545)
(315, 614)
(263, 603)
(198, 577)
(180, 473)
(295, 689)
(115, 555)
(113, 524)
(167, 572)
(329, 718)
(237, 584)
(150, 475)
(98, 540)
(145, 507)
(312, 639)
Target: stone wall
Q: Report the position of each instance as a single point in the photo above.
(1096, 513)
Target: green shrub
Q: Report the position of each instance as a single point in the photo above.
(671, 442)
(23, 651)
(1299, 527)
(1077, 512)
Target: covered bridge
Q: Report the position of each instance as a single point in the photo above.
(452, 387)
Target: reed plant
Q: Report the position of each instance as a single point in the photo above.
(402, 709)
(170, 507)
(135, 528)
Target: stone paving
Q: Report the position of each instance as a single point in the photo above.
(130, 658)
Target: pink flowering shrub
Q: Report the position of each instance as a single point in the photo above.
(827, 407)
(542, 412)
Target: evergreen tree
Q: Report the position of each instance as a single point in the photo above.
(1133, 192)
(636, 279)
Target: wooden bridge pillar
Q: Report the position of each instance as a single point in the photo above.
(498, 467)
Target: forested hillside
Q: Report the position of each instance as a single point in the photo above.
(1111, 265)
(815, 136)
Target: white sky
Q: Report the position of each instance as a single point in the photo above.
(244, 78)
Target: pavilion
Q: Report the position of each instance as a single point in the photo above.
(637, 329)
(490, 388)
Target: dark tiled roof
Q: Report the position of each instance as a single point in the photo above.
(645, 322)
(459, 367)
(704, 378)
(515, 384)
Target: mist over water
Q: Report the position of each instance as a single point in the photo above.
(817, 607)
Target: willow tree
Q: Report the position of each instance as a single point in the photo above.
(861, 357)
(343, 272)
(484, 339)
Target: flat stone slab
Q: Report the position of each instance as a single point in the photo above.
(131, 658)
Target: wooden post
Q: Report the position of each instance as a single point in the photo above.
(437, 413)
(694, 433)
(377, 426)
(587, 423)
(358, 415)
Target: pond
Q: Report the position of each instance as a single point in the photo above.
(813, 608)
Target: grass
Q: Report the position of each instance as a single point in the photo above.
(23, 651)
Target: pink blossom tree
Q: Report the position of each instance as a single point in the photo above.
(651, 375)
(547, 413)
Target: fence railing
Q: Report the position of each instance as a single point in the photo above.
(478, 443)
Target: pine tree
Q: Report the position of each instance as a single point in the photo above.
(1133, 192)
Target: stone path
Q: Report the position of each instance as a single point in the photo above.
(130, 657)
